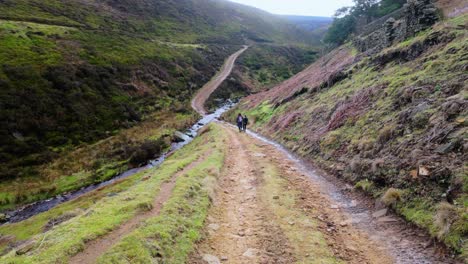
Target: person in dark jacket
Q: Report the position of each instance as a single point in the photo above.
(245, 122)
(240, 122)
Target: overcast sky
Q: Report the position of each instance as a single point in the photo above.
(298, 7)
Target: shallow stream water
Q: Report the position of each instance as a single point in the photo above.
(33, 209)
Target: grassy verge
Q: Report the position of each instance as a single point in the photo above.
(170, 237)
(98, 213)
(96, 163)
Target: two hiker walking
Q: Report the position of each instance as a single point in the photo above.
(242, 122)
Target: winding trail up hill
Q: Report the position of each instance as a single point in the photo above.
(198, 102)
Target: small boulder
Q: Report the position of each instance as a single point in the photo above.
(380, 213)
(25, 247)
(180, 137)
(447, 148)
(210, 259)
(213, 227)
(250, 253)
(423, 171)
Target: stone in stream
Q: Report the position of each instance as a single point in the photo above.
(210, 259)
(180, 137)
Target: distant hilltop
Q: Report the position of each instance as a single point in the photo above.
(310, 23)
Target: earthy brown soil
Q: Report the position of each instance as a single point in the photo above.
(198, 102)
(94, 249)
(241, 222)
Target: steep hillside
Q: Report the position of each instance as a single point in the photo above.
(393, 123)
(318, 26)
(76, 72)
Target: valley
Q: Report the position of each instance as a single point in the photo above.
(118, 139)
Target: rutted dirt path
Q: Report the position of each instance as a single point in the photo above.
(267, 211)
(242, 230)
(94, 249)
(198, 102)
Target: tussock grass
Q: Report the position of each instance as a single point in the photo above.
(445, 216)
(392, 196)
(364, 185)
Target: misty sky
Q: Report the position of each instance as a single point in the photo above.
(298, 7)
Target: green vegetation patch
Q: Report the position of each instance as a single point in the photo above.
(170, 237)
(96, 214)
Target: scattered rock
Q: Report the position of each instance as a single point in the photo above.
(3, 218)
(291, 223)
(351, 248)
(224, 258)
(380, 213)
(213, 227)
(180, 137)
(447, 148)
(25, 247)
(423, 171)
(210, 259)
(6, 239)
(276, 197)
(387, 219)
(250, 253)
(344, 223)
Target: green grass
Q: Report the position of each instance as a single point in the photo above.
(99, 212)
(170, 237)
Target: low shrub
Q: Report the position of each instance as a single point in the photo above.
(392, 196)
(445, 216)
(364, 185)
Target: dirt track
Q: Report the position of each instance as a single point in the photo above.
(198, 102)
(266, 211)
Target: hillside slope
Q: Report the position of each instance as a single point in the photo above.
(76, 72)
(393, 123)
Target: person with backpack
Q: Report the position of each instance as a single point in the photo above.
(245, 122)
(240, 122)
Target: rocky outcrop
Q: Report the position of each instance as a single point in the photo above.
(413, 17)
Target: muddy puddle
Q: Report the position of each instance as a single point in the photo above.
(33, 209)
(405, 243)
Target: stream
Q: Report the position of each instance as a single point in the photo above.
(35, 208)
